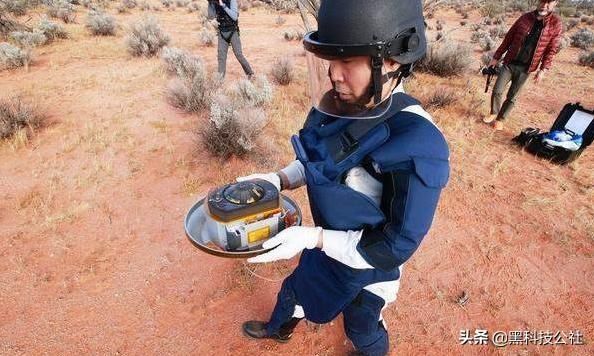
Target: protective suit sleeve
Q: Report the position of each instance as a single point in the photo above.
(342, 246)
(409, 200)
(293, 175)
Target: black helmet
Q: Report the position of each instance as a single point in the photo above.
(380, 29)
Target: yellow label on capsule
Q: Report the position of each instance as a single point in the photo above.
(259, 234)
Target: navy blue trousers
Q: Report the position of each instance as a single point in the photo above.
(361, 316)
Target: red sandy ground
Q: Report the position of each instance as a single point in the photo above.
(93, 254)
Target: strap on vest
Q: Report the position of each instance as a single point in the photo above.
(348, 140)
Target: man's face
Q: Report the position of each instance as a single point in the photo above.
(546, 7)
(351, 77)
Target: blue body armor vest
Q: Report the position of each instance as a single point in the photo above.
(322, 285)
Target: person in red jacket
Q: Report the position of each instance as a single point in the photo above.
(529, 45)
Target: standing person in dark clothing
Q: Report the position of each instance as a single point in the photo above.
(530, 45)
(227, 13)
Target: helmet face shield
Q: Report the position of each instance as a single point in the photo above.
(339, 99)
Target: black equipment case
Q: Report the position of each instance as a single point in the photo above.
(573, 118)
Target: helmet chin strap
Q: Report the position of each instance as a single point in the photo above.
(379, 79)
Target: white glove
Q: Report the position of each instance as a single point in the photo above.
(289, 243)
(270, 177)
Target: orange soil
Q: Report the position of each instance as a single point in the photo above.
(94, 257)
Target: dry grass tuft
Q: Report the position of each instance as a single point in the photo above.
(17, 114)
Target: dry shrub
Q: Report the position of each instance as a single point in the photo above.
(244, 5)
(293, 35)
(441, 98)
(63, 10)
(571, 23)
(194, 7)
(207, 37)
(564, 42)
(130, 4)
(15, 7)
(519, 5)
(146, 38)
(486, 43)
(13, 57)
(446, 59)
(16, 114)
(492, 9)
(477, 36)
(51, 30)
(182, 3)
(122, 9)
(28, 39)
(587, 59)
(583, 39)
(232, 128)
(182, 63)
(280, 21)
(282, 70)
(486, 57)
(258, 92)
(498, 31)
(101, 24)
(285, 6)
(8, 25)
(192, 90)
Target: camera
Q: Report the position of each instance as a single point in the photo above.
(490, 70)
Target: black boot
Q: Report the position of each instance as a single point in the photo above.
(257, 330)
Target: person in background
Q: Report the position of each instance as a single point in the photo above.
(529, 46)
(226, 13)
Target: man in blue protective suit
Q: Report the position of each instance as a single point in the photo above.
(374, 165)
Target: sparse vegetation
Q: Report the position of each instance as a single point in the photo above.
(583, 39)
(282, 70)
(232, 128)
(13, 57)
(446, 59)
(293, 35)
(182, 63)
(207, 37)
(255, 93)
(486, 43)
(192, 89)
(15, 7)
(280, 21)
(286, 6)
(441, 98)
(146, 38)
(587, 59)
(27, 39)
(130, 4)
(492, 9)
(63, 10)
(17, 114)
(182, 3)
(571, 23)
(51, 30)
(144, 6)
(101, 24)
